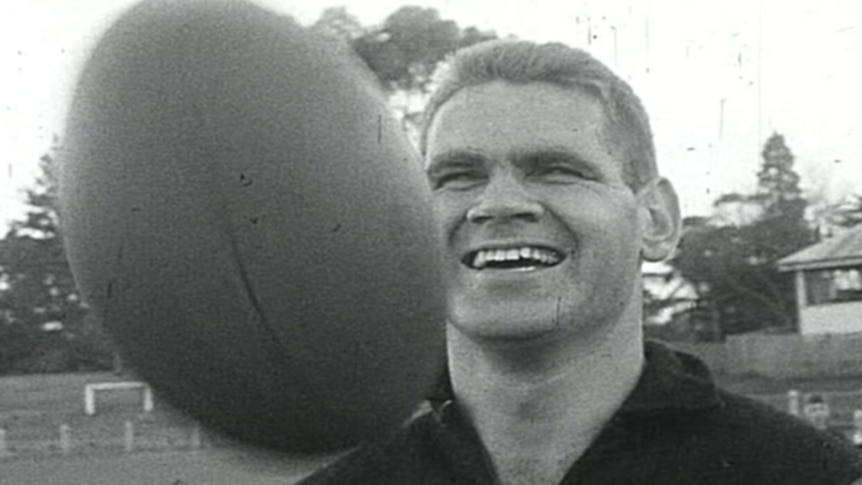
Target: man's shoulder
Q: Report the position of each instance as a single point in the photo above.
(719, 433)
(759, 430)
(756, 440)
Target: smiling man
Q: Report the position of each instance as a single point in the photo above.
(548, 199)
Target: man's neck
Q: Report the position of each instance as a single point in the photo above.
(537, 406)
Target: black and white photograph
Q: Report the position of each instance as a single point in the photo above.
(274, 242)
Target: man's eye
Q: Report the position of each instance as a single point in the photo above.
(561, 173)
(457, 180)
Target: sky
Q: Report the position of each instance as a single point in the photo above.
(717, 78)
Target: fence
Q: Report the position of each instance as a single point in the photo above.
(783, 356)
(96, 435)
(843, 409)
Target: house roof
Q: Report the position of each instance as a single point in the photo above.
(844, 249)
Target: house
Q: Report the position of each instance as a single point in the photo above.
(829, 283)
(662, 284)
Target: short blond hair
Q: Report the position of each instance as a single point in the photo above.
(524, 62)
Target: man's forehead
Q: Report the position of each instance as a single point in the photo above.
(521, 115)
(500, 92)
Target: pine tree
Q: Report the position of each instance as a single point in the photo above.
(776, 179)
(43, 321)
(782, 228)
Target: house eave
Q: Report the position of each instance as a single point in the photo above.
(820, 264)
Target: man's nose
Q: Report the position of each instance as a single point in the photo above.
(505, 197)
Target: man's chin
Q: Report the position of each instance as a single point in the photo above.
(507, 329)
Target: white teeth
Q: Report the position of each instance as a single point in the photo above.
(543, 256)
(481, 258)
(536, 254)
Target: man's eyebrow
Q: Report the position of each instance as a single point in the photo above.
(555, 153)
(566, 155)
(454, 157)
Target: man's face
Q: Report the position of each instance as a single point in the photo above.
(541, 234)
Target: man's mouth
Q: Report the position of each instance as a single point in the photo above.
(523, 257)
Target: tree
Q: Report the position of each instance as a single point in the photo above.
(737, 291)
(835, 217)
(43, 324)
(776, 181)
(782, 228)
(404, 52)
(340, 23)
(731, 260)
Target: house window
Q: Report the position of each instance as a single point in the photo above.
(833, 285)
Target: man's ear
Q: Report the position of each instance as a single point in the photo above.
(662, 224)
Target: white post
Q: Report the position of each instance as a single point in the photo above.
(794, 406)
(129, 437)
(195, 441)
(857, 428)
(65, 439)
(4, 448)
(148, 399)
(89, 400)
(801, 299)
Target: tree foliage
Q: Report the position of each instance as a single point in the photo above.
(403, 52)
(731, 263)
(338, 22)
(840, 215)
(43, 322)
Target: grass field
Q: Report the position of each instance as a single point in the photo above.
(165, 449)
(210, 467)
(33, 409)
